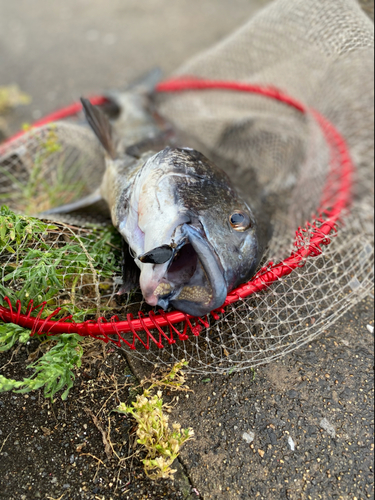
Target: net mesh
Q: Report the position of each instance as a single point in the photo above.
(321, 54)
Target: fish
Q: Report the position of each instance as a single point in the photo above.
(189, 237)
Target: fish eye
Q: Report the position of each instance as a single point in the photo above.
(240, 221)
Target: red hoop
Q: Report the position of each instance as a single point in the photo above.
(342, 168)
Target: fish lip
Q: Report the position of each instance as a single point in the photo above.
(214, 272)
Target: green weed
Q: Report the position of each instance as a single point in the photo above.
(53, 371)
(16, 230)
(44, 188)
(10, 334)
(161, 442)
(41, 261)
(65, 268)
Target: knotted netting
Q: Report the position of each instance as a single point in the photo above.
(285, 105)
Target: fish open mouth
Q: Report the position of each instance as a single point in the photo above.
(194, 279)
(184, 265)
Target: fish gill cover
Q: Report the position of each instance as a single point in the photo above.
(305, 169)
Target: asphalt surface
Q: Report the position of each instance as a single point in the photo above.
(310, 416)
(58, 51)
(317, 400)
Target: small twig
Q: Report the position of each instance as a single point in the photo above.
(113, 246)
(117, 479)
(110, 442)
(114, 451)
(93, 456)
(106, 401)
(14, 354)
(111, 395)
(104, 433)
(104, 350)
(76, 227)
(96, 473)
(5, 440)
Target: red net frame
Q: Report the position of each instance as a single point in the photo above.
(336, 195)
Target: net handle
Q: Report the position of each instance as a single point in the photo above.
(320, 228)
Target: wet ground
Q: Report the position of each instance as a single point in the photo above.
(309, 415)
(59, 51)
(301, 429)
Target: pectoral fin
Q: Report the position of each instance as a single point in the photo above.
(89, 205)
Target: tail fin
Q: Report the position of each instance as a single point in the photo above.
(142, 87)
(147, 82)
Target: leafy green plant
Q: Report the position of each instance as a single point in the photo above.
(10, 334)
(16, 230)
(44, 187)
(53, 371)
(161, 442)
(40, 261)
(63, 267)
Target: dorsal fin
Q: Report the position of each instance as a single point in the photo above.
(101, 126)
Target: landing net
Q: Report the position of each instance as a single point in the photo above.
(285, 105)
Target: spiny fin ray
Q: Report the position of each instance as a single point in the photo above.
(101, 127)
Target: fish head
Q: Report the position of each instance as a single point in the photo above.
(195, 238)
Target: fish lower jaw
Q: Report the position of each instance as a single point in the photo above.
(195, 294)
(164, 294)
(189, 299)
(159, 296)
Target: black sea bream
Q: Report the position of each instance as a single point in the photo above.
(192, 237)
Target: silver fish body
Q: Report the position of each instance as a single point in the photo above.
(178, 199)
(191, 235)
